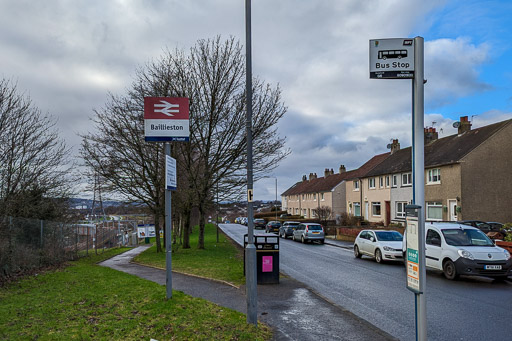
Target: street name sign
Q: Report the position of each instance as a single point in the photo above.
(392, 58)
(166, 119)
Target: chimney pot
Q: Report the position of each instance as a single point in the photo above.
(395, 146)
(342, 169)
(464, 126)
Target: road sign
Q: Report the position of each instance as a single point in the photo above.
(170, 173)
(392, 58)
(166, 119)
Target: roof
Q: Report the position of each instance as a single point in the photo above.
(326, 184)
(448, 150)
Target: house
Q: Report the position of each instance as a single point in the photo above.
(467, 175)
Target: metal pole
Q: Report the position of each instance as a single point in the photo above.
(250, 250)
(217, 218)
(419, 182)
(276, 200)
(168, 241)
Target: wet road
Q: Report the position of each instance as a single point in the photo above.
(468, 309)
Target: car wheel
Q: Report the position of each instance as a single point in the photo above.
(357, 254)
(449, 270)
(302, 239)
(293, 237)
(378, 256)
(322, 241)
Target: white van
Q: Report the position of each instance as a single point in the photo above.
(458, 249)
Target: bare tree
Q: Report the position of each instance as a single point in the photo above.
(323, 213)
(34, 161)
(212, 75)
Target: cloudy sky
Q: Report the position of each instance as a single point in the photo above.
(68, 54)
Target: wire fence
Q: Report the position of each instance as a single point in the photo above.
(28, 244)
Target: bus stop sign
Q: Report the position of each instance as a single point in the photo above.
(392, 58)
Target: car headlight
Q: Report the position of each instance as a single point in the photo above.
(507, 254)
(387, 248)
(465, 254)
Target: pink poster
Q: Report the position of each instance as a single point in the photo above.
(267, 264)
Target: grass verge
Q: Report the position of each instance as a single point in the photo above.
(87, 301)
(222, 260)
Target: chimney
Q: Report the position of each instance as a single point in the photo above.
(332, 172)
(342, 169)
(304, 178)
(327, 172)
(464, 125)
(395, 146)
(430, 135)
(312, 176)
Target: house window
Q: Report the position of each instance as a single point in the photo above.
(357, 209)
(314, 197)
(322, 196)
(371, 183)
(395, 181)
(406, 179)
(305, 213)
(400, 209)
(434, 176)
(434, 210)
(387, 181)
(381, 182)
(302, 196)
(296, 211)
(356, 185)
(376, 208)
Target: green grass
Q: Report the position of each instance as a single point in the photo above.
(222, 260)
(88, 302)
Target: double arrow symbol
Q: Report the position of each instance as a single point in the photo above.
(167, 108)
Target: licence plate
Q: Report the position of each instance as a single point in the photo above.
(316, 232)
(492, 267)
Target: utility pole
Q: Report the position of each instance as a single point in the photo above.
(250, 250)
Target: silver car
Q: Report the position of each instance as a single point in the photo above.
(309, 232)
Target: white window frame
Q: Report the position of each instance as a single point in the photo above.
(388, 183)
(395, 181)
(376, 204)
(381, 182)
(400, 213)
(314, 196)
(371, 183)
(408, 178)
(434, 176)
(356, 185)
(432, 205)
(323, 199)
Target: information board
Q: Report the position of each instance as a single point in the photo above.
(392, 58)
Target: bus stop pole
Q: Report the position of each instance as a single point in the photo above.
(418, 168)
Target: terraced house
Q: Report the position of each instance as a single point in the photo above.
(468, 176)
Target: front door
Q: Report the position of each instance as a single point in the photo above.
(452, 208)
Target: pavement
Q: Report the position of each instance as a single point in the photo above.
(293, 310)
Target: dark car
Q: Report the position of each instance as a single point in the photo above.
(259, 223)
(484, 227)
(273, 227)
(286, 230)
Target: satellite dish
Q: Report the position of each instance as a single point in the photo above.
(388, 146)
(456, 124)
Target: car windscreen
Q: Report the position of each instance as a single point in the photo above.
(314, 227)
(389, 236)
(466, 237)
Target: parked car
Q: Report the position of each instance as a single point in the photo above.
(482, 225)
(499, 227)
(285, 215)
(273, 227)
(259, 223)
(379, 244)
(309, 232)
(458, 249)
(286, 230)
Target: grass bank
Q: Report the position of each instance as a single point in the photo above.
(222, 260)
(86, 301)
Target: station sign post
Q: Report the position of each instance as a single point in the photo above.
(166, 119)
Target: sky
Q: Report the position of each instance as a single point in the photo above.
(67, 55)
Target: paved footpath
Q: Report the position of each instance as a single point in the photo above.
(290, 308)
